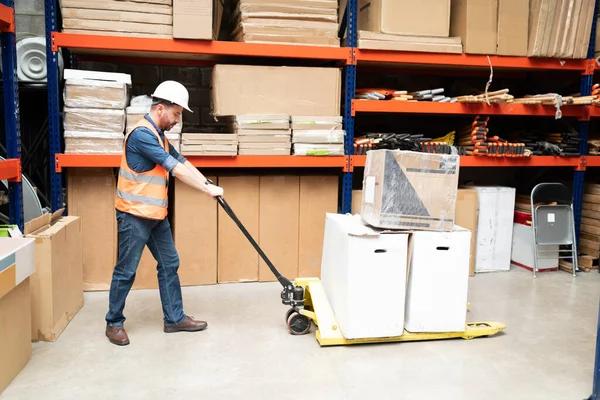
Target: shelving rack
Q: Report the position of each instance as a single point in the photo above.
(179, 52)
(10, 169)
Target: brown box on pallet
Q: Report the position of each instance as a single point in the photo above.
(279, 205)
(194, 217)
(90, 195)
(238, 260)
(476, 22)
(467, 206)
(15, 338)
(57, 284)
(318, 196)
(513, 27)
(410, 190)
(405, 17)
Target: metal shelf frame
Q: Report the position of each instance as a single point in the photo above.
(181, 52)
(10, 169)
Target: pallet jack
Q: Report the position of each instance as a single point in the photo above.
(308, 304)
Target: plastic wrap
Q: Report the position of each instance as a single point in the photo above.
(316, 123)
(209, 138)
(259, 122)
(264, 152)
(94, 120)
(93, 142)
(87, 93)
(210, 149)
(320, 136)
(306, 149)
(408, 190)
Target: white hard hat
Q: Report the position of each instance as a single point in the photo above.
(174, 92)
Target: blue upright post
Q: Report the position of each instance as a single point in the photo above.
(349, 92)
(56, 197)
(12, 119)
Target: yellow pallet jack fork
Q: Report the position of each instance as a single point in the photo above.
(318, 309)
(309, 304)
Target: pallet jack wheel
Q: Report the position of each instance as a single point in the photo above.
(298, 324)
(288, 313)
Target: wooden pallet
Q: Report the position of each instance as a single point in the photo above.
(586, 264)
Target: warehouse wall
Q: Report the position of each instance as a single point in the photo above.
(29, 16)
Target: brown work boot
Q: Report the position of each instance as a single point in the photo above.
(117, 335)
(189, 324)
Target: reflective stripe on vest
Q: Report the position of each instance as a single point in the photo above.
(144, 194)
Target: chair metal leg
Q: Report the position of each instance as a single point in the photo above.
(535, 250)
(574, 246)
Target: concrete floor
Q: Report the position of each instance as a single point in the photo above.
(547, 351)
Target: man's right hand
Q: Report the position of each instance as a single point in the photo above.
(215, 191)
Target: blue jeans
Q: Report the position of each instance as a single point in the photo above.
(134, 234)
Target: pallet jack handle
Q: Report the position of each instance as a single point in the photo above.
(291, 294)
(282, 279)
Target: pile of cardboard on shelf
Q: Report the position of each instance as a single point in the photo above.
(589, 240)
(317, 135)
(139, 107)
(407, 228)
(209, 144)
(94, 112)
(298, 22)
(405, 25)
(262, 134)
(560, 28)
(142, 18)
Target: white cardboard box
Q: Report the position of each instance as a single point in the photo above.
(494, 228)
(522, 247)
(436, 299)
(364, 276)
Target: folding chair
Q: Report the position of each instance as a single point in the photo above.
(553, 222)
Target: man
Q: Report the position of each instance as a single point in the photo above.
(141, 208)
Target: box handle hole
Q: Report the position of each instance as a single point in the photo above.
(443, 248)
(380, 251)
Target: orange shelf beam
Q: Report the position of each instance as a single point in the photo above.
(592, 161)
(173, 47)
(471, 161)
(10, 169)
(594, 111)
(392, 106)
(113, 161)
(7, 19)
(467, 60)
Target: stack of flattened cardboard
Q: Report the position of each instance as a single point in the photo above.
(151, 18)
(405, 25)
(209, 144)
(94, 113)
(317, 135)
(560, 28)
(301, 22)
(262, 134)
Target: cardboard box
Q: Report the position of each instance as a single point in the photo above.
(279, 225)
(496, 208)
(466, 216)
(57, 284)
(410, 190)
(366, 304)
(405, 17)
(476, 22)
(93, 142)
(88, 93)
(246, 89)
(356, 201)
(513, 27)
(522, 252)
(94, 120)
(15, 337)
(197, 19)
(436, 299)
(318, 196)
(91, 196)
(195, 234)
(238, 260)
(17, 264)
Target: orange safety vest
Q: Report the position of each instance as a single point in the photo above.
(143, 194)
